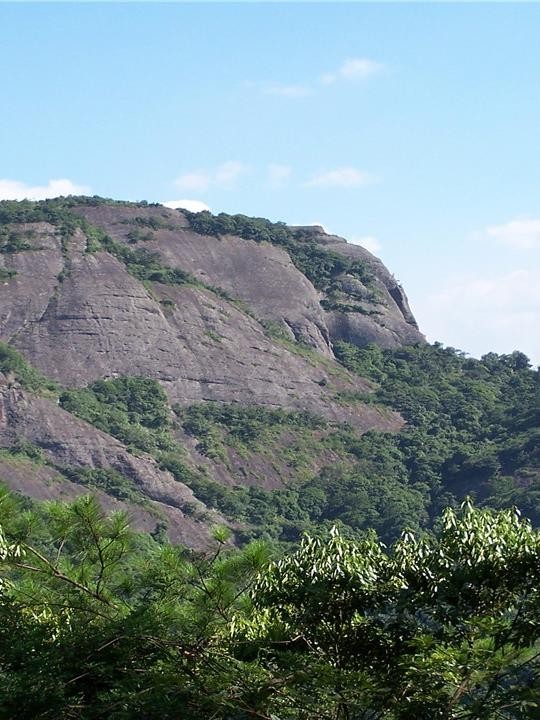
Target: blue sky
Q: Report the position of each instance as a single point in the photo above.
(410, 128)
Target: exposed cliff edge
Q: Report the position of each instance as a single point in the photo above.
(227, 310)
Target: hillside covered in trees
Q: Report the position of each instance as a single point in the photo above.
(196, 369)
(237, 483)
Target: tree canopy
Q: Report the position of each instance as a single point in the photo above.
(98, 622)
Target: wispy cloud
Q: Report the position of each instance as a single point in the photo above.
(520, 234)
(16, 190)
(278, 175)
(353, 69)
(191, 205)
(366, 241)
(193, 181)
(479, 313)
(227, 174)
(345, 177)
(223, 176)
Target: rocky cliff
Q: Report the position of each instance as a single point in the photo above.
(220, 312)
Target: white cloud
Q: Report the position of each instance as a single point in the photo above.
(478, 313)
(353, 69)
(289, 91)
(16, 190)
(346, 177)
(521, 233)
(278, 174)
(191, 205)
(227, 174)
(224, 176)
(366, 241)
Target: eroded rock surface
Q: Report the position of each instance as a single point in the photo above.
(246, 327)
(67, 442)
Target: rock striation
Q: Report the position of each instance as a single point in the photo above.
(100, 290)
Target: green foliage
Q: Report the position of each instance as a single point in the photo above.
(248, 426)
(436, 628)
(138, 235)
(6, 274)
(145, 265)
(11, 361)
(107, 479)
(152, 222)
(56, 212)
(369, 488)
(141, 263)
(345, 307)
(12, 242)
(472, 424)
(135, 410)
(97, 622)
(25, 449)
(319, 265)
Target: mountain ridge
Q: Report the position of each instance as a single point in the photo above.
(198, 369)
(99, 290)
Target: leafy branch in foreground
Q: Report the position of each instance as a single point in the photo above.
(443, 626)
(97, 622)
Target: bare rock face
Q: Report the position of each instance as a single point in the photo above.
(68, 442)
(98, 321)
(261, 275)
(264, 277)
(249, 329)
(384, 317)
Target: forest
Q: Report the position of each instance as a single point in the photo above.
(389, 576)
(98, 622)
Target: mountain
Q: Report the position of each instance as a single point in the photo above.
(198, 369)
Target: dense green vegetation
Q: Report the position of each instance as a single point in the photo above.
(12, 362)
(6, 274)
(96, 622)
(133, 409)
(472, 429)
(12, 242)
(321, 266)
(246, 427)
(473, 425)
(369, 488)
(55, 210)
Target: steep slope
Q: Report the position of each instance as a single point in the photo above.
(242, 320)
(348, 295)
(36, 428)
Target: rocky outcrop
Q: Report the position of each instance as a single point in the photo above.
(263, 276)
(384, 317)
(67, 442)
(244, 327)
(93, 320)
